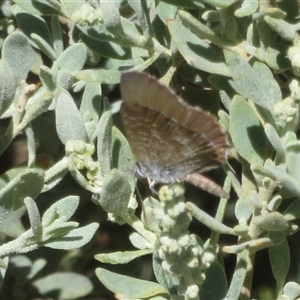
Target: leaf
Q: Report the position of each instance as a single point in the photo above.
(18, 185)
(166, 279)
(187, 3)
(111, 17)
(8, 86)
(106, 48)
(131, 287)
(31, 23)
(76, 238)
(10, 222)
(292, 153)
(36, 105)
(292, 212)
(274, 221)
(47, 78)
(220, 3)
(34, 216)
(289, 184)
(3, 268)
(139, 241)
(248, 8)
(210, 290)
(166, 11)
(18, 54)
(104, 142)
(276, 142)
(270, 85)
(122, 157)
(280, 261)
(101, 76)
(251, 82)
(69, 124)
(64, 79)
(282, 28)
(115, 194)
(247, 133)
(43, 46)
(71, 6)
(244, 208)
(37, 265)
(200, 30)
(292, 290)
(196, 52)
(61, 210)
(65, 285)
(73, 58)
(123, 257)
(56, 31)
(40, 7)
(90, 107)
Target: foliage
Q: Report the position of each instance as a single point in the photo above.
(59, 61)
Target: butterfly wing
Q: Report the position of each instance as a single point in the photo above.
(169, 138)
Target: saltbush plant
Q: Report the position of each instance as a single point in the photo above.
(60, 67)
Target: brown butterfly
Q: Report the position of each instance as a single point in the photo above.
(170, 140)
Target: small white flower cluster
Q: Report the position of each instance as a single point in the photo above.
(180, 252)
(80, 154)
(286, 113)
(87, 15)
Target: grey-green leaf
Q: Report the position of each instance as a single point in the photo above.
(252, 83)
(18, 53)
(34, 216)
(292, 290)
(273, 221)
(122, 157)
(195, 51)
(116, 192)
(31, 23)
(76, 238)
(248, 8)
(47, 78)
(40, 7)
(104, 142)
(121, 257)
(69, 124)
(131, 287)
(61, 210)
(210, 290)
(8, 86)
(73, 58)
(247, 133)
(280, 261)
(66, 285)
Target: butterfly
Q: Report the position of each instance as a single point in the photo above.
(170, 140)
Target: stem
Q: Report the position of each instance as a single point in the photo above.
(246, 291)
(22, 244)
(215, 235)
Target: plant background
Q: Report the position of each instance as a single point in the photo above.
(57, 53)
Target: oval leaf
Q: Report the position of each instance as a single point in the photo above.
(116, 192)
(69, 124)
(247, 133)
(131, 287)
